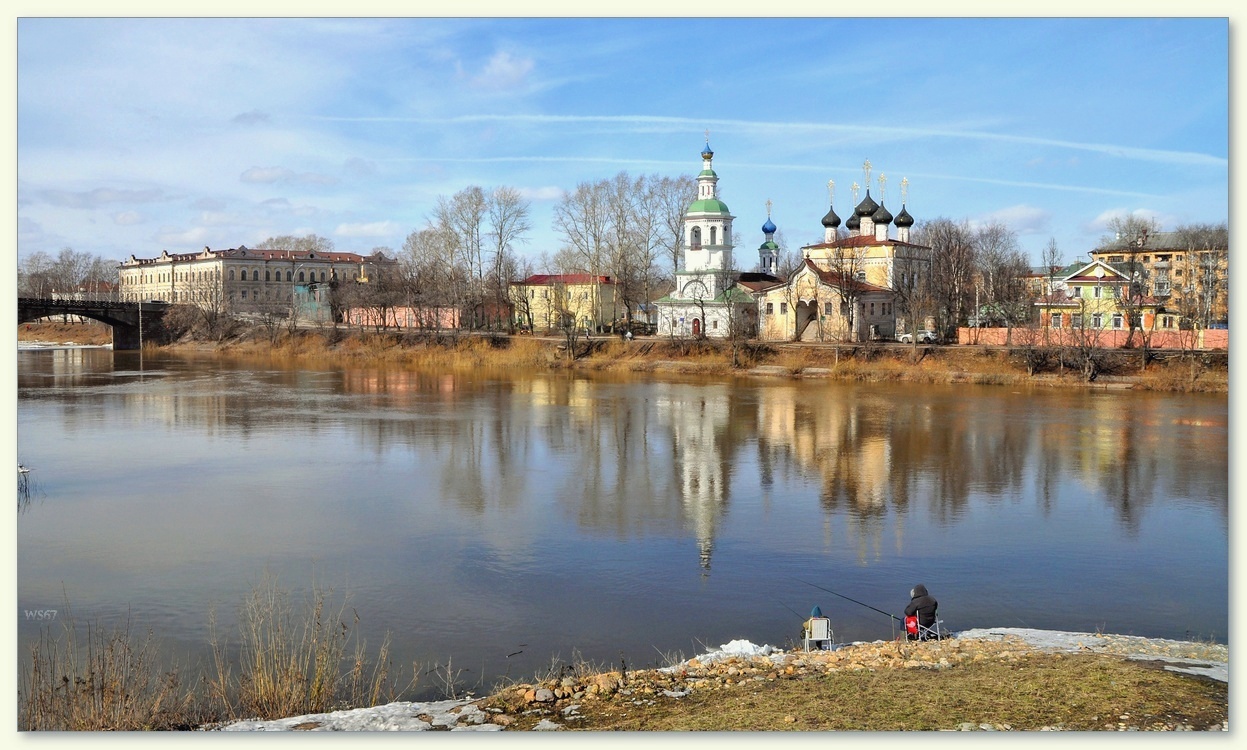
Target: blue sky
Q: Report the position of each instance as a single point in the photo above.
(141, 135)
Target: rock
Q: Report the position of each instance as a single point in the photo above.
(539, 695)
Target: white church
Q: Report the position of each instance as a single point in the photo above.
(706, 300)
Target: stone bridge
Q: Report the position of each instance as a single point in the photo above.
(124, 317)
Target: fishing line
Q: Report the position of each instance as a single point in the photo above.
(842, 596)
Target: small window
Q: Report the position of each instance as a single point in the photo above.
(1096, 293)
(1097, 320)
(872, 309)
(827, 309)
(770, 308)
(783, 308)
(1075, 321)
(244, 294)
(714, 325)
(1075, 291)
(1117, 322)
(1056, 320)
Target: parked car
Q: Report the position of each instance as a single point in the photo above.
(924, 337)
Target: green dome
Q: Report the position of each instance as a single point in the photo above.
(707, 173)
(708, 206)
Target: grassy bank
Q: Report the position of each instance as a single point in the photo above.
(890, 686)
(291, 660)
(864, 363)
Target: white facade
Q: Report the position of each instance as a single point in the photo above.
(701, 303)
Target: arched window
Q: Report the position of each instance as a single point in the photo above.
(713, 234)
(322, 275)
(288, 275)
(267, 275)
(300, 276)
(231, 274)
(255, 275)
(695, 237)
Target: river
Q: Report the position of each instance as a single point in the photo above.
(507, 522)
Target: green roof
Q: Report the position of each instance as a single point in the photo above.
(708, 206)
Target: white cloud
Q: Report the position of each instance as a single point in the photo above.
(254, 117)
(127, 218)
(372, 229)
(1022, 219)
(548, 193)
(266, 174)
(181, 239)
(503, 71)
(100, 197)
(271, 175)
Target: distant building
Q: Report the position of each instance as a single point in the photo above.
(242, 278)
(548, 302)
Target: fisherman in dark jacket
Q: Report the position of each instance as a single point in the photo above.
(921, 605)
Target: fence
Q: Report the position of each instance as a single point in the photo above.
(1213, 338)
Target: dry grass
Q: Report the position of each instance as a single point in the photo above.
(1091, 692)
(87, 334)
(297, 660)
(105, 680)
(290, 660)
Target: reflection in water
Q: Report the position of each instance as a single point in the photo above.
(575, 506)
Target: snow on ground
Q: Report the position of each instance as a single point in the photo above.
(463, 715)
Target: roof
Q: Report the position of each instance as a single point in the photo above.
(544, 279)
(837, 279)
(708, 206)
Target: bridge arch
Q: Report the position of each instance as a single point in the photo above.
(123, 317)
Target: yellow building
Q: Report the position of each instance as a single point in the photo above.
(1191, 271)
(818, 305)
(547, 302)
(1096, 297)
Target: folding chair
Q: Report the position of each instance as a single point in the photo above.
(819, 631)
(916, 631)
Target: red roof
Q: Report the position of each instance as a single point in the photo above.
(837, 279)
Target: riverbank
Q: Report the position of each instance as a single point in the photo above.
(986, 679)
(1120, 369)
(1208, 372)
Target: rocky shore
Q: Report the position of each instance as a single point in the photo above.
(558, 703)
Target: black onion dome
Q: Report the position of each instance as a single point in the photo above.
(854, 222)
(831, 221)
(868, 206)
(882, 216)
(903, 219)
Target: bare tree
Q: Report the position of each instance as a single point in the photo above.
(1128, 239)
(1002, 272)
(1203, 295)
(672, 197)
(461, 218)
(305, 244)
(509, 224)
(952, 267)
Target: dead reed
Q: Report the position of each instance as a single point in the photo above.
(300, 659)
(105, 680)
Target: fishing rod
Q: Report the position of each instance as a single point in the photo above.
(842, 596)
(790, 609)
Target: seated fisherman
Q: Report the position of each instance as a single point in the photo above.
(921, 606)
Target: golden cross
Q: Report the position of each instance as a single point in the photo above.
(904, 190)
(768, 208)
(866, 170)
(831, 191)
